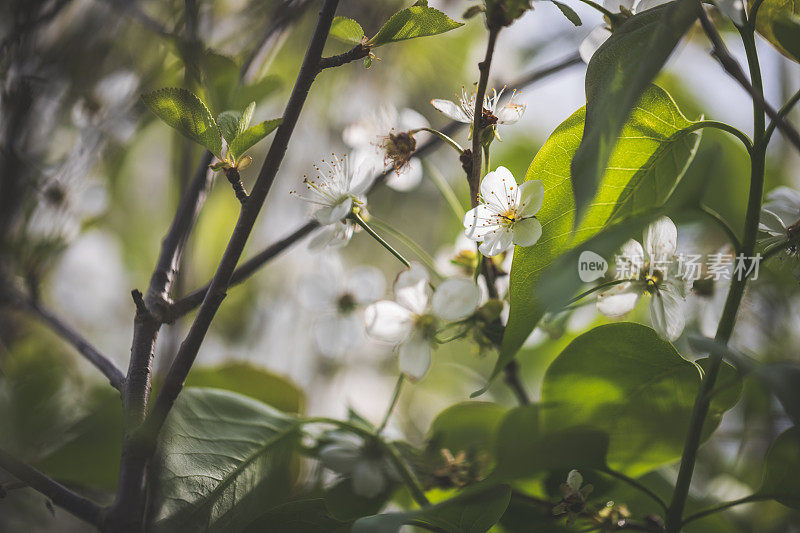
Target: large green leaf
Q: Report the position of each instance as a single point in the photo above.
(466, 426)
(617, 75)
(302, 516)
(219, 458)
(186, 113)
(412, 22)
(245, 378)
(346, 30)
(787, 33)
(777, 12)
(782, 469)
(474, 511)
(653, 152)
(245, 140)
(625, 380)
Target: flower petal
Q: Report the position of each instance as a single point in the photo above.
(666, 315)
(368, 478)
(414, 356)
(480, 221)
(451, 110)
(661, 239)
(496, 242)
(771, 223)
(411, 120)
(408, 178)
(592, 42)
(526, 232)
(498, 188)
(412, 289)
(337, 335)
(334, 213)
(366, 284)
(388, 321)
(340, 456)
(531, 195)
(455, 299)
(619, 299)
(331, 236)
(510, 113)
(644, 5)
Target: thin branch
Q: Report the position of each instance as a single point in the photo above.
(782, 112)
(60, 495)
(69, 334)
(359, 51)
(635, 484)
(725, 505)
(732, 67)
(173, 383)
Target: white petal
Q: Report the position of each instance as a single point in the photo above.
(366, 284)
(496, 242)
(530, 197)
(319, 291)
(526, 232)
(340, 456)
(359, 134)
(363, 176)
(331, 235)
(615, 6)
(388, 321)
(411, 120)
(510, 113)
(666, 315)
(414, 356)
(644, 5)
(480, 221)
(498, 188)
(368, 478)
(619, 299)
(633, 256)
(455, 299)
(412, 289)
(334, 213)
(771, 223)
(785, 204)
(661, 239)
(337, 335)
(408, 178)
(574, 480)
(592, 42)
(451, 110)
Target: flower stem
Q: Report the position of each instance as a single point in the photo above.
(408, 242)
(486, 159)
(719, 221)
(395, 396)
(594, 289)
(446, 191)
(360, 221)
(599, 8)
(635, 484)
(442, 136)
(725, 505)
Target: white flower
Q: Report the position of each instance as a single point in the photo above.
(338, 300)
(335, 190)
(602, 32)
(332, 235)
(366, 137)
(464, 109)
(369, 470)
(412, 319)
(780, 216)
(506, 215)
(656, 274)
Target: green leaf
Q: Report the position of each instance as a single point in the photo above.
(783, 380)
(523, 449)
(652, 153)
(245, 140)
(347, 30)
(474, 511)
(772, 13)
(303, 516)
(249, 380)
(410, 23)
(617, 75)
(787, 33)
(345, 505)
(186, 113)
(466, 426)
(219, 458)
(782, 469)
(625, 380)
(228, 122)
(568, 12)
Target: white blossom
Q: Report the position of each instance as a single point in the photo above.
(369, 470)
(411, 320)
(600, 33)
(654, 273)
(506, 214)
(337, 299)
(366, 137)
(463, 110)
(780, 215)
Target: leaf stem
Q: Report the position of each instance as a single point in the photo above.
(719, 221)
(782, 112)
(395, 396)
(635, 484)
(447, 140)
(600, 8)
(360, 221)
(736, 132)
(723, 506)
(408, 242)
(594, 289)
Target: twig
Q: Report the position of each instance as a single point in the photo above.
(635, 484)
(60, 495)
(732, 67)
(69, 334)
(725, 505)
(359, 51)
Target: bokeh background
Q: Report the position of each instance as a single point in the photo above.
(90, 179)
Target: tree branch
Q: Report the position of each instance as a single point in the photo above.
(60, 495)
(69, 334)
(187, 353)
(359, 51)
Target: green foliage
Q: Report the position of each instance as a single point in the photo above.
(247, 138)
(651, 155)
(220, 457)
(233, 123)
(625, 380)
(473, 511)
(617, 75)
(568, 12)
(466, 426)
(347, 30)
(345, 505)
(782, 469)
(783, 380)
(188, 114)
(787, 33)
(410, 23)
(302, 516)
(778, 13)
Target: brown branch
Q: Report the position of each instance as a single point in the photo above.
(173, 383)
(60, 495)
(69, 334)
(359, 51)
